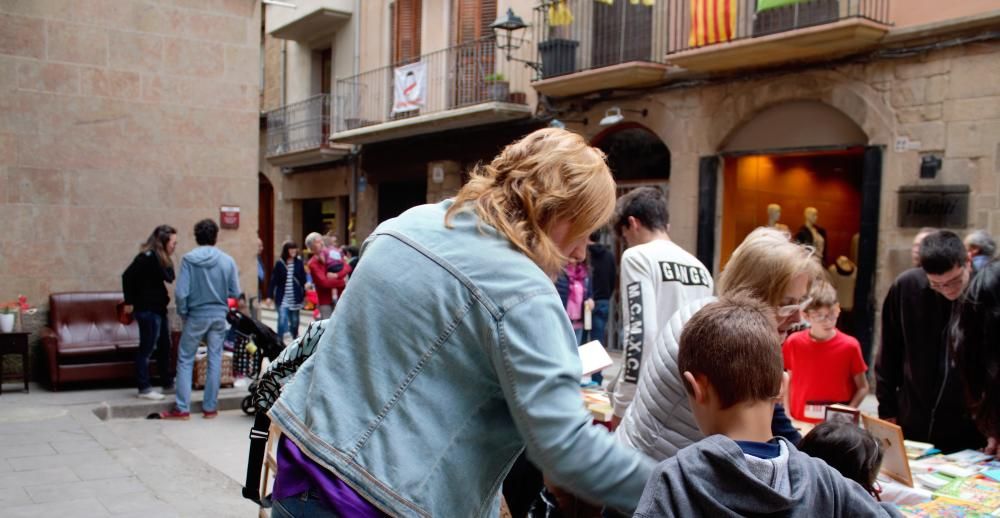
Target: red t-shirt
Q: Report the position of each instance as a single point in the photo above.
(822, 372)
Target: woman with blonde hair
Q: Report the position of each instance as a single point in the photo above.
(452, 353)
(766, 266)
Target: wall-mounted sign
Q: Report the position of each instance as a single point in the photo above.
(229, 217)
(944, 206)
(437, 173)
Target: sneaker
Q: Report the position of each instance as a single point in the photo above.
(175, 414)
(210, 414)
(151, 395)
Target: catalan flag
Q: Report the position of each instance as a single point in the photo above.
(712, 21)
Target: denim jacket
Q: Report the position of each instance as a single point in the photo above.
(448, 354)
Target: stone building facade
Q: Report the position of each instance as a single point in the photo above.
(928, 93)
(115, 117)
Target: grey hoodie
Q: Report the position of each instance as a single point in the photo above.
(208, 277)
(712, 478)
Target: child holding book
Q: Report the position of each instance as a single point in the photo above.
(730, 360)
(824, 363)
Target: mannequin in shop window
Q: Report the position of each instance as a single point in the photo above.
(812, 234)
(773, 215)
(843, 276)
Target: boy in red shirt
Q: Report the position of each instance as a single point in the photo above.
(825, 365)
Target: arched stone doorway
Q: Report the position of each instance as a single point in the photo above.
(798, 155)
(637, 158)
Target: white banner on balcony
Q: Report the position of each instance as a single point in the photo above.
(409, 87)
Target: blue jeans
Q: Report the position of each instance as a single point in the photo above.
(306, 504)
(288, 321)
(154, 337)
(213, 331)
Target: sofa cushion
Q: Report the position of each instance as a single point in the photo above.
(86, 349)
(88, 319)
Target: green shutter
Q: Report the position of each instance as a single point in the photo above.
(764, 5)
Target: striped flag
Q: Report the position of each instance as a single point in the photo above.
(712, 21)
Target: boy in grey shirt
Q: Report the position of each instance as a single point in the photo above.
(730, 358)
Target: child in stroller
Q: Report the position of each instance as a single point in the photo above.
(251, 342)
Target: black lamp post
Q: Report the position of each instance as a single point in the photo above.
(504, 28)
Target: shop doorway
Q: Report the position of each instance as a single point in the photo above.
(265, 227)
(325, 215)
(394, 198)
(796, 157)
(637, 158)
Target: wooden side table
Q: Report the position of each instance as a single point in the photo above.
(16, 343)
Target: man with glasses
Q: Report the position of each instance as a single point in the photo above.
(917, 384)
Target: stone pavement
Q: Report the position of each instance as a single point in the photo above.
(57, 457)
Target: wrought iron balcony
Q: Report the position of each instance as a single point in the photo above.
(299, 133)
(460, 86)
(588, 45)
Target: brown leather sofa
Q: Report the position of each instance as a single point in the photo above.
(85, 341)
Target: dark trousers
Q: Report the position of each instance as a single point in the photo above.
(154, 338)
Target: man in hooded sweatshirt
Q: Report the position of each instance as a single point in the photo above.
(208, 278)
(740, 469)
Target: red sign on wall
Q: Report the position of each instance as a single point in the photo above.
(229, 217)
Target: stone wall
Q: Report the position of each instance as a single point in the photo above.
(945, 103)
(117, 116)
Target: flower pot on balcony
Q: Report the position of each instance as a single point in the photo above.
(558, 57)
(498, 90)
(519, 98)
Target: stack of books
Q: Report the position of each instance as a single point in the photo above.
(965, 483)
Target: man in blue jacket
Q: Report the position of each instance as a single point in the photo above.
(208, 278)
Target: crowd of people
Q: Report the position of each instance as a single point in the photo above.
(453, 350)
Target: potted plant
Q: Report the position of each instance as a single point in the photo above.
(558, 51)
(497, 87)
(8, 310)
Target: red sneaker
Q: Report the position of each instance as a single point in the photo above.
(210, 414)
(175, 414)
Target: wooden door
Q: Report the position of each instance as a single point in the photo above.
(475, 51)
(405, 31)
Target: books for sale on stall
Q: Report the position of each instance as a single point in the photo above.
(938, 509)
(978, 494)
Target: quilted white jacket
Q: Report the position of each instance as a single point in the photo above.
(659, 421)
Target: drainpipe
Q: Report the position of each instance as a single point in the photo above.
(284, 66)
(357, 37)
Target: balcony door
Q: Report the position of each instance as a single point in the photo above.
(474, 54)
(405, 22)
(794, 16)
(623, 32)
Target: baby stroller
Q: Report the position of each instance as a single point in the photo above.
(252, 341)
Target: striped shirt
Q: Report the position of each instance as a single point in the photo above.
(288, 299)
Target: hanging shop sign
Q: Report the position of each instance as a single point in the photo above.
(229, 217)
(943, 206)
(409, 87)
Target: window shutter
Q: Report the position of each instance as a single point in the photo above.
(406, 30)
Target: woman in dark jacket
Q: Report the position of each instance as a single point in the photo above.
(286, 290)
(146, 298)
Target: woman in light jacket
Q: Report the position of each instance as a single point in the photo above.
(146, 298)
(451, 353)
(288, 291)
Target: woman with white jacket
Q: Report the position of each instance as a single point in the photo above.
(767, 266)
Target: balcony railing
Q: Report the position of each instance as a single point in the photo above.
(752, 24)
(577, 35)
(299, 126)
(601, 33)
(456, 77)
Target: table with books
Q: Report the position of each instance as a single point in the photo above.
(964, 483)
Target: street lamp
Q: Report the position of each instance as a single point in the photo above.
(509, 23)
